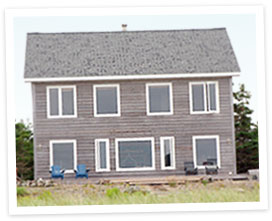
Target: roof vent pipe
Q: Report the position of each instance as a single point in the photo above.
(124, 27)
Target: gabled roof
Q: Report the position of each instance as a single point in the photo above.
(94, 54)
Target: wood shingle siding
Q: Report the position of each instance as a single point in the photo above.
(133, 123)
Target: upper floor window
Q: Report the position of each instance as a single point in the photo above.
(106, 100)
(159, 99)
(204, 97)
(61, 101)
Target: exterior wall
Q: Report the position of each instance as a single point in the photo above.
(133, 123)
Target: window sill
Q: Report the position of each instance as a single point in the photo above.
(61, 117)
(135, 169)
(101, 171)
(107, 115)
(168, 168)
(160, 113)
(214, 112)
(203, 167)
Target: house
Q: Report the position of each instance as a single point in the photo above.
(132, 103)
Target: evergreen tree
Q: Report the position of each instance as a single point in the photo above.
(24, 150)
(246, 133)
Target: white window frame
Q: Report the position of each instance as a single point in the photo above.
(206, 93)
(217, 149)
(172, 151)
(60, 115)
(97, 157)
(117, 86)
(170, 99)
(51, 142)
(135, 139)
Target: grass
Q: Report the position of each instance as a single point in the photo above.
(61, 195)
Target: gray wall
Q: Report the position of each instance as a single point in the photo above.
(133, 123)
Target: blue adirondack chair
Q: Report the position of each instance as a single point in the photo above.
(56, 172)
(81, 171)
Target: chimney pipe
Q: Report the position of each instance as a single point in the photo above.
(124, 27)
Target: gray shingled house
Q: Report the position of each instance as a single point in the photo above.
(132, 103)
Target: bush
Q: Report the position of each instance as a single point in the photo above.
(172, 184)
(113, 192)
(204, 182)
(21, 191)
(45, 195)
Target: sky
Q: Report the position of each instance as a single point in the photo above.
(241, 30)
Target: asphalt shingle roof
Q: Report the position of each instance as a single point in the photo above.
(82, 54)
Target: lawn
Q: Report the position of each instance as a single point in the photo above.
(89, 194)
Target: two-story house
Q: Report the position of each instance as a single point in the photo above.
(132, 103)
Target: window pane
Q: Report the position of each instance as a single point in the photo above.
(102, 155)
(63, 155)
(106, 100)
(206, 151)
(54, 101)
(135, 154)
(167, 153)
(198, 97)
(159, 99)
(212, 97)
(67, 101)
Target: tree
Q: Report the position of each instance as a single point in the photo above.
(24, 150)
(246, 133)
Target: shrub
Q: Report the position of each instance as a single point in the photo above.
(204, 182)
(21, 191)
(172, 184)
(113, 192)
(45, 195)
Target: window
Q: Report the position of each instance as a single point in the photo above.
(61, 101)
(167, 153)
(63, 153)
(102, 155)
(106, 100)
(204, 97)
(135, 154)
(206, 149)
(159, 99)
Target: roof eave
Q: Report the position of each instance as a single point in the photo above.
(133, 77)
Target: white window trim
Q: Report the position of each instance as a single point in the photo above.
(97, 163)
(51, 142)
(163, 167)
(170, 99)
(204, 83)
(60, 101)
(135, 139)
(117, 86)
(217, 96)
(217, 149)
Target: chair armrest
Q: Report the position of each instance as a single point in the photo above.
(87, 170)
(50, 171)
(75, 171)
(62, 171)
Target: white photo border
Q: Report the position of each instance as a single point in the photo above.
(10, 14)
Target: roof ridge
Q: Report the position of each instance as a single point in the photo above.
(127, 32)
